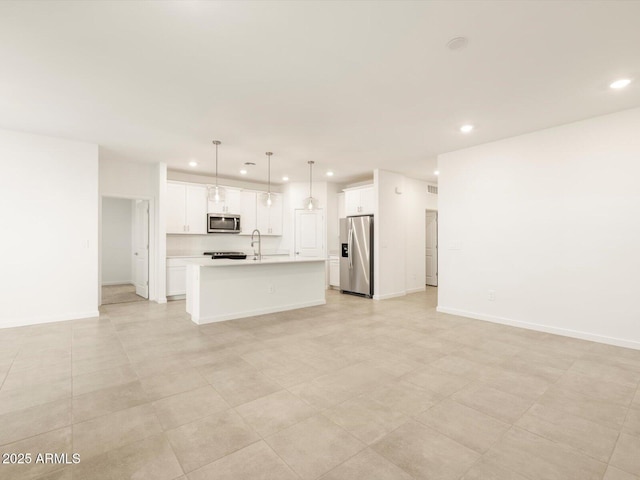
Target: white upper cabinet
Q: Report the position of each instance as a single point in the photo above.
(186, 208)
(359, 201)
(196, 209)
(248, 216)
(176, 208)
(232, 203)
(270, 218)
(255, 214)
(188, 205)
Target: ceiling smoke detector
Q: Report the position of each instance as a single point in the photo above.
(457, 43)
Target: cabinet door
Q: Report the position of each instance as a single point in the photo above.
(247, 212)
(275, 215)
(262, 212)
(176, 280)
(196, 209)
(352, 202)
(366, 201)
(213, 207)
(176, 208)
(233, 202)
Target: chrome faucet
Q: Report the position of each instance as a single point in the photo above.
(259, 255)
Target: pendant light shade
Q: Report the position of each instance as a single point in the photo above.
(267, 198)
(310, 203)
(216, 193)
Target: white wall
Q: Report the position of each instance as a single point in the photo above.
(399, 234)
(49, 212)
(551, 222)
(333, 221)
(416, 200)
(128, 179)
(389, 234)
(117, 241)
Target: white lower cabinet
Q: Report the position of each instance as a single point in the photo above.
(176, 277)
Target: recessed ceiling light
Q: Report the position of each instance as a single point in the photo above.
(623, 82)
(466, 128)
(243, 172)
(193, 163)
(285, 179)
(249, 163)
(436, 172)
(329, 173)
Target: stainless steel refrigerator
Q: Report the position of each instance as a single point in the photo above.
(356, 256)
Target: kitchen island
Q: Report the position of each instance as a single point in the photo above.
(225, 289)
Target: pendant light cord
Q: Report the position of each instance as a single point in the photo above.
(216, 143)
(269, 173)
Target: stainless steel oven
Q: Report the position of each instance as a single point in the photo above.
(218, 223)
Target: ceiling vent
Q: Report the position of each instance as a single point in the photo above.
(432, 189)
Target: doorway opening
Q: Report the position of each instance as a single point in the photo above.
(124, 269)
(431, 248)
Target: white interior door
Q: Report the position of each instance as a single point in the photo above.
(309, 226)
(141, 248)
(432, 249)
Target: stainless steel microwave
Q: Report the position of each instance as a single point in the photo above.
(217, 223)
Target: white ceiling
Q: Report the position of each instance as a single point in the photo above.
(351, 85)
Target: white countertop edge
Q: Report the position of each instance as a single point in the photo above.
(225, 262)
(209, 256)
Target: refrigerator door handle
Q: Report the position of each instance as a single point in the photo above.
(349, 245)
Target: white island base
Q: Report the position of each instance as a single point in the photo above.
(219, 290)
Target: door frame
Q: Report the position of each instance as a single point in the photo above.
(427, 211)
(153, 241)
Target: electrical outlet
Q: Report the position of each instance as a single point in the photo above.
(492, 295)
(270, 289)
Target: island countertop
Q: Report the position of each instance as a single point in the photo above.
(249, 261)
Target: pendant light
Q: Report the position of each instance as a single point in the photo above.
(266, 197)
(310, 203)
(216, 194)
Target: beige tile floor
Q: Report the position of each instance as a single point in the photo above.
(356, 389)
(120, 294)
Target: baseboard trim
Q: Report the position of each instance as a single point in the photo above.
(416, 290)
(260, 311)
(121, 282)
(23, 322)
(389, 295)
(566, 332)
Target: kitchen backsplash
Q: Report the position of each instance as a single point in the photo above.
(197, 244)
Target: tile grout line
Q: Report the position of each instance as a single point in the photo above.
(622, 430)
